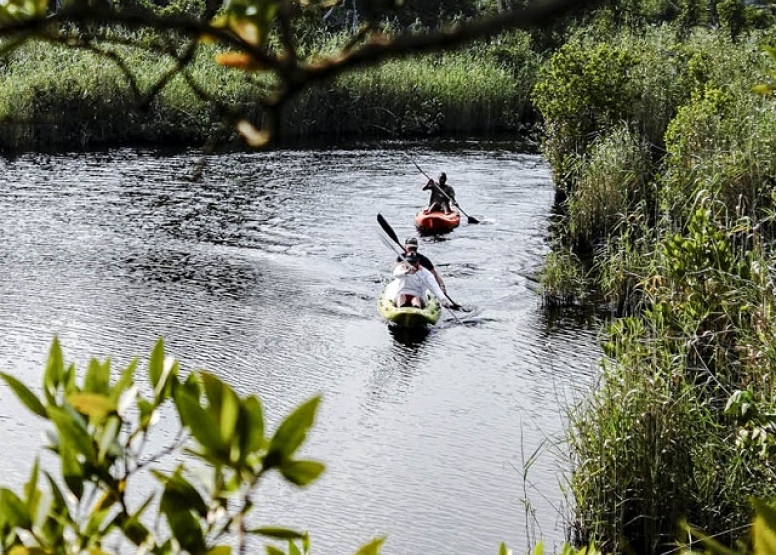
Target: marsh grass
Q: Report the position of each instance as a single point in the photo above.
(57, 97)
(465, 92)
(612, 177)
(685, 252)
(563, 279)
(54, 96)
(655, 443)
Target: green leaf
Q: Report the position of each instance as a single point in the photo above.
(214, 390)
(762, 89)
(371, 548)
(181, 491)
(13, 512)
(72, 471)
(133, 529)
(68, 381)
(293, 549)
(272, 550)
(201, 423)
(126, 400)
(58, 505)
(293, 430)
(147, 413)
(193, 385)
(169, 374)
(156, 363)
(94, 405)
(25, 550)
(301, 473)
(251, 20)
(252, 422)
(504, 550)
(224, 406)
(770, 50)
(277, 533)
(107, 437)
(73, 432)
(124, 382)
(55, 371)
(94, 525)
(97, 378)
(184, 525)
(219, 550)
(31, 493)
(25, 395)
(764, 528)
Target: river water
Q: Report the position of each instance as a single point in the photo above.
(265, 270)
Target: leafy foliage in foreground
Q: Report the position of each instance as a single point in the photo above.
(101, 428)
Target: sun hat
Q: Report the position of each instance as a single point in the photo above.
(411, 242)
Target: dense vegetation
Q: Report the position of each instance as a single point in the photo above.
(125, 86)
(100, 430)
(663, 154)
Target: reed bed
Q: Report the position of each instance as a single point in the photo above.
(672, 198)
(455, 93)
(57, 97)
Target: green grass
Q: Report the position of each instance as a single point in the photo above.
(52, 96)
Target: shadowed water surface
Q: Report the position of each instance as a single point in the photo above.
(266, 272)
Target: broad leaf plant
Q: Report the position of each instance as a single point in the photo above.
(100, 424)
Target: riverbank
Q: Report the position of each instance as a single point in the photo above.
(55, 99)
(663, 156)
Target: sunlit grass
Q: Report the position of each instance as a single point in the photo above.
(74, 98)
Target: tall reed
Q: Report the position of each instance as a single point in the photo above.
(53, 96)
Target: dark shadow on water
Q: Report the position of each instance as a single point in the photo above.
(434, 233)
(409, 337)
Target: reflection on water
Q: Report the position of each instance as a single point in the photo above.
(410, 338)
(266, 272)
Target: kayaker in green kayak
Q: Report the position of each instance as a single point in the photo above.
(411, 283)
(411, 245)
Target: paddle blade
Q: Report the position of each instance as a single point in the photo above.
(388, 230)
(472, 220)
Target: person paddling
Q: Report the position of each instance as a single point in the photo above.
(411, 246)
(412, 283)
(442, 195)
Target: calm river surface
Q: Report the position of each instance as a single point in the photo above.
(266, 272)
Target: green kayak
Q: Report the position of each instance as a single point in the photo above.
(408, 316)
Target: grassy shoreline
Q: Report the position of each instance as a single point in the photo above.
(666, 162)
(54, 98)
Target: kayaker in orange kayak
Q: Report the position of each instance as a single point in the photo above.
(442, 195)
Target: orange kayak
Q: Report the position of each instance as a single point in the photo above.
(437, 222)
